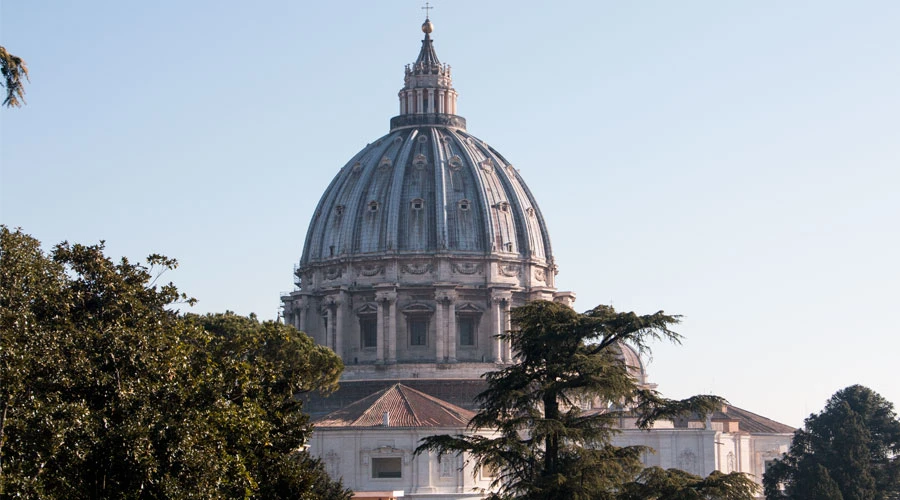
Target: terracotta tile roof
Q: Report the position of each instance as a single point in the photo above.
(459, 392)
(405, 406)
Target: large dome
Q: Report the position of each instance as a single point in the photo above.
(421, 244)
(427, 189)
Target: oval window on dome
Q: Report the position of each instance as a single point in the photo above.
(417, 204)
(373, 206)
(464, 205)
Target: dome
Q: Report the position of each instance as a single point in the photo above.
(427, 189)
(421, 244)
(634, 363)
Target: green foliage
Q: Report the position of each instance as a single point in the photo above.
(655, 483)
(848, 451)
(107, 391)
(541, 443)
(13, 70)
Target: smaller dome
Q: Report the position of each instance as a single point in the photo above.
(634, 363)
(427, 26)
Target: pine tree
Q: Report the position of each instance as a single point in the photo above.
(543, 445)
(848, 451)
(13, 70)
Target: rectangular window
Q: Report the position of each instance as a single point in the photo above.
(368, 332)
(488, 471)
(418, 331)
(466, 326)
(448, 467)
(386, 468)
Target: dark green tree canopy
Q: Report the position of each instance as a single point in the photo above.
(849, 450)
(106, 391)
(540, 441)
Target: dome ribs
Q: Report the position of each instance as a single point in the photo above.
(440, 191)
(481, 200)
(368, 208)
(393, 240)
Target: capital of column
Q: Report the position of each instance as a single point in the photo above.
(444, 296)
(331, 301)
(386, 296)
(500, 297)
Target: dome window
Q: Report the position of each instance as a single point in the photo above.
(455, 162)
(373, 206)
(420, 161)
(417, 204)
(464, 205)
(422, 139)
(503, 206)
(339, 210)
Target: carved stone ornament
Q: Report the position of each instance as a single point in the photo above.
(369, 270)
(356, 167)
(333, 273)
(540, 275)
(416, 267)
(420, 161)
(385, 163)
(510, 270)
(466, 268)
(455, 162)
(487, 165)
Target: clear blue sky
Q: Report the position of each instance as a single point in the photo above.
(734, 162)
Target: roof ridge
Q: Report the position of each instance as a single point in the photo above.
(446, 406)
(412, 411)
(382, 395)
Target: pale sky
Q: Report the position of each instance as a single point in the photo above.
(734, 162)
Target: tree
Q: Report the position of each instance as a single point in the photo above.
(655, 483)
(537, 437)
(106, 390)
(849, 451)
(13, 70)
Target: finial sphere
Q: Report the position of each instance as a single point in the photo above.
(427, 26)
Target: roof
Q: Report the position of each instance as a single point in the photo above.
(421, 191)
(404, 406)
(747, 421)
(751, 422)
(427, 55)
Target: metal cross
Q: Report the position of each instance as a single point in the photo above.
(426, 8)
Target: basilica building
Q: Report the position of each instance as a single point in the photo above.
(414, 256)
